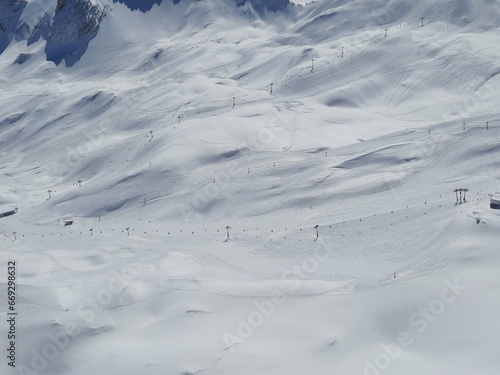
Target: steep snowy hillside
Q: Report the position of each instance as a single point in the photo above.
(255, 186)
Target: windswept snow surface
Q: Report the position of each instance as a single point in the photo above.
(140, 144)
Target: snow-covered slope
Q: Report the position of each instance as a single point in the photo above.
(163, 127)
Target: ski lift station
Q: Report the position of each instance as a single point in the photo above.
(495, 202)
(8, 213)
(68, 222)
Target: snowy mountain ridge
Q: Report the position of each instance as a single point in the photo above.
(69, 25)
(251, 191)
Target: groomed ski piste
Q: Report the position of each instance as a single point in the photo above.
(195, 192)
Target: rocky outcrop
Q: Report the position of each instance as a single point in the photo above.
(261, 5)
(141, 5)
(69, 31)
(258, 5)
(10, 11)
(68, 28)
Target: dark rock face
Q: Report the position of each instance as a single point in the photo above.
(261, 5)
(141, 5)
(10, 11)
(22, 58)
(258, 5)
(69, 31)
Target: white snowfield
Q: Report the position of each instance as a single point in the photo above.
(164, 140)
